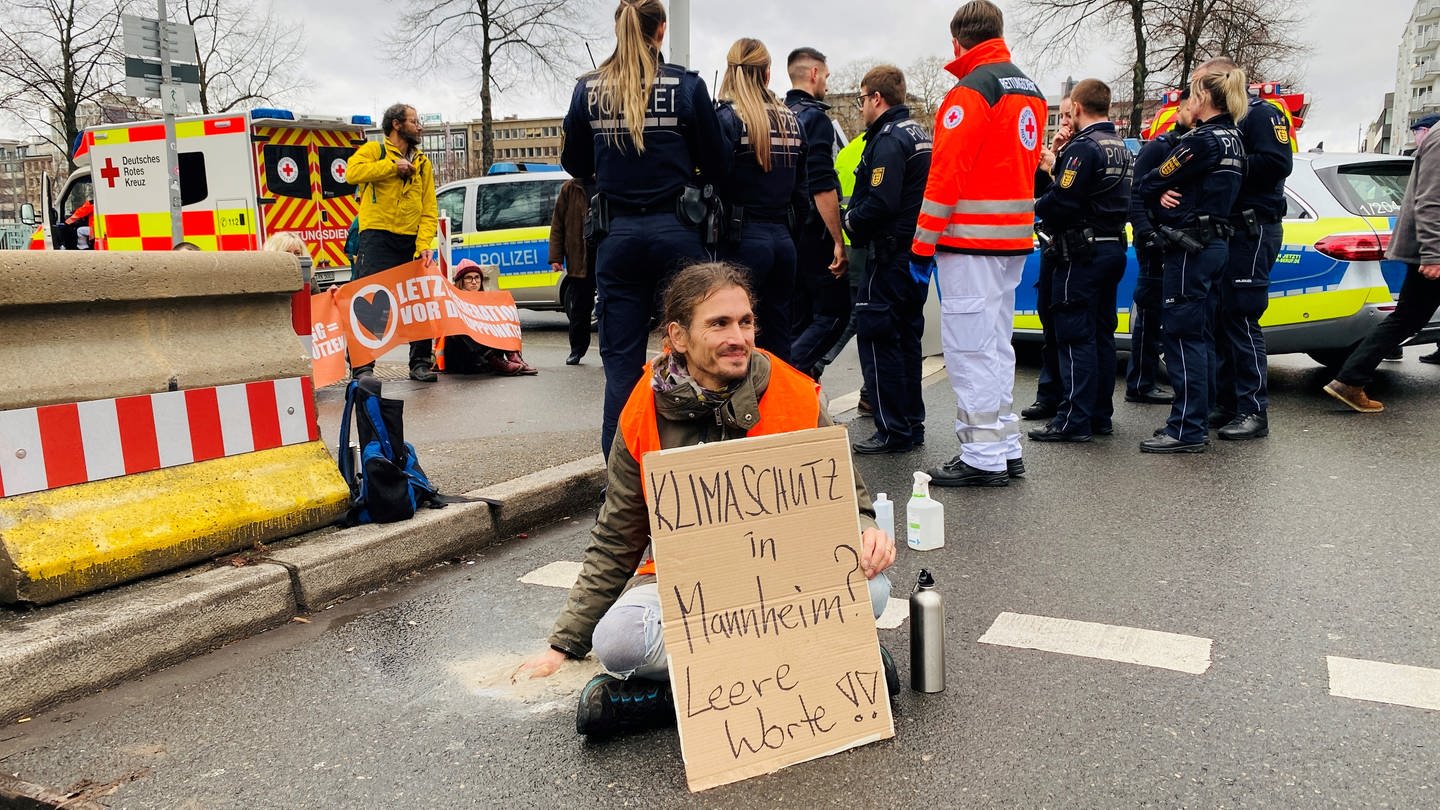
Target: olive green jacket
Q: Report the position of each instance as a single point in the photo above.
(622, 532)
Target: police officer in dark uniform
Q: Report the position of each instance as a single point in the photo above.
(765, 192)
(643, 129)
(889, 307)
(822, 289)
(1141, 378)
(1242, 391)
(1190, 195)
(1084, 214)
(1047, 384)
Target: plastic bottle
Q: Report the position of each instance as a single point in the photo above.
(927, 636)
(924, 517)
(885, 514)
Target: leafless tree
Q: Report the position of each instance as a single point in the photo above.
(58, 57)
(926, 83)
(1063, 26)
(246, 53)
(496, 42)
(1260, 35)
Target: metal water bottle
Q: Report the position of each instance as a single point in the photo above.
(927, 636)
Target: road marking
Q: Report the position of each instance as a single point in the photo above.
(896, 612)
(1384, 683)
(1130, 645)
(848, 402)
(560, 574)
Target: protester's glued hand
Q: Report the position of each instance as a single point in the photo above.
(539, 666)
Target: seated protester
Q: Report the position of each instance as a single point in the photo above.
(708, 384)
(463, 354)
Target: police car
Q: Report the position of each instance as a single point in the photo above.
(1330, 283)
(504, 220)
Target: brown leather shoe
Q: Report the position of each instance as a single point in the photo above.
(1353, 396)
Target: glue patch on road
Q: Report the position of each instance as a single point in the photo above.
(555, 575)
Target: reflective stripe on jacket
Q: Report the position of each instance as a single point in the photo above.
(791, 402)
(980, 194)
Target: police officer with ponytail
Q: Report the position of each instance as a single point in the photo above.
(1084, 213)
(765, 191)
(1190, 196)
(1241, 377)
(647, 131)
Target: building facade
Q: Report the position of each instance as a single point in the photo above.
(1378, 135)
(1417, 74)
(520, 140)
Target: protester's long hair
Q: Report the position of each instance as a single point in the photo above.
(744, 86)
(628, 75)
(693, 285)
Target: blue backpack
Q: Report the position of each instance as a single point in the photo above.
(390, 484)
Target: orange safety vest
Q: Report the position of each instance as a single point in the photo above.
(791, 402)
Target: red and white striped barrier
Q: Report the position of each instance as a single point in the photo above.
(59, 445)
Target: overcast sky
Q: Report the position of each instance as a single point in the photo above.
(1350, 67)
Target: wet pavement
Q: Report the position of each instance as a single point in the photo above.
(1281, 553)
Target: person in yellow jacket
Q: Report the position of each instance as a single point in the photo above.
(398, 213)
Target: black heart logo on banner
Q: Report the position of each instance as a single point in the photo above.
(373, 313)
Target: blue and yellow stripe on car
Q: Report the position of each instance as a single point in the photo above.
(522, 254)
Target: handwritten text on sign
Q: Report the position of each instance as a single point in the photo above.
(767, 617)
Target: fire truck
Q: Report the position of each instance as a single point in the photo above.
(244, 177)
(1293, 104)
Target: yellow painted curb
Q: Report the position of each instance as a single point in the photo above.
(82, 538)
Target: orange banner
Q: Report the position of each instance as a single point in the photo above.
(370, 316)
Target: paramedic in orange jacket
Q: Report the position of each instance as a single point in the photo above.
(976, 226)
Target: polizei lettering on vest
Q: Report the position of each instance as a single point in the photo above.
(733, 495)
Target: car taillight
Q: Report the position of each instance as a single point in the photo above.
(1354, 247)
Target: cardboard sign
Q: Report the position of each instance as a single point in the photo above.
(768, 626)
(372, 315)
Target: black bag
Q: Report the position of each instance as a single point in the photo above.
(391, 485)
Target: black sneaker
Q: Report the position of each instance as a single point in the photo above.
(610, 706)
(1015, 467)
(892, 673)
(957, 473)
(1038, 410)
(422, 373)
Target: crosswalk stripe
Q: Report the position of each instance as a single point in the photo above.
(1380, 682)
(896, 612)
(1130, 645)
(559, 574)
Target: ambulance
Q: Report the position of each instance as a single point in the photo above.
(244, 177)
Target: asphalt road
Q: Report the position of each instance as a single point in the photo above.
(1281, 553)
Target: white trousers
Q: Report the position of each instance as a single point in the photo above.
(977, 318)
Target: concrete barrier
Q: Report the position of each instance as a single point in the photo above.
(159, 412)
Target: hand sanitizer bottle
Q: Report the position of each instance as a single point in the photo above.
(924, 517)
